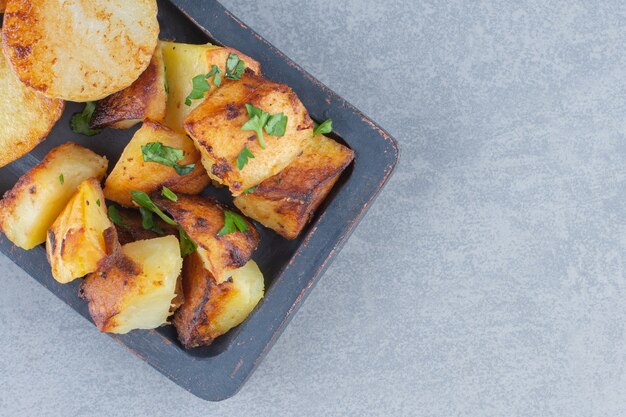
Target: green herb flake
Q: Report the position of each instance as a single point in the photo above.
(276, 125)
(165, 155)
(187, 245)
(232, 223)
(169, 194)
(242, 159)
(200, 86)
(79, 123)
(235, 67)
(61, 179)
(324, 128)
(250, 190)
(143, 200)
(98, 202)
(147, 221)
(116, 217)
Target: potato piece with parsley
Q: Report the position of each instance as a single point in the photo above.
(287, 201)
(225, 240)
(141, 166)
(136, 288)
(40, 195)
(76, 242)
(211, 309)
(183, 62)
(223, 128)
(146, 98)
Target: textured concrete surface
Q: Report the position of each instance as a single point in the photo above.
(488, 280)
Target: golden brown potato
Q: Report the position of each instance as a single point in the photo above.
(144, 99)
(287, 201)
(216, 124)
(34, 203)
(82, 50)
(202, 219)
(3, 5)
(133, 173)
(136, 287)
(212, 309)
(132, 228)
(26, 116)
(183, 62)
(76, 243)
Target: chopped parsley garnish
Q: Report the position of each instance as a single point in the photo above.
(274, 125)
(79, 123)
(232, 223)
(98, 202)
(250, 190)
(235, 67)
(165, 155)
(200, 84)
(169, 194)
(147, 221)
(187, 245)
(116, 217)
(242, 159)
(143, 200)
(324, 128)
(61, 179)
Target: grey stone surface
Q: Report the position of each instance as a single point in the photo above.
(487, 280)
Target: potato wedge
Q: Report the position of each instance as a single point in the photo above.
(136, 289)
(202, 219)
(146, 98)
(3, 5)
(211, 309)
(80, 50)
(40, 195)
(132, 228)
(286, 202)
(215, 126)
(183, 62)
(76, 240)
(26, 116)
(133, 173)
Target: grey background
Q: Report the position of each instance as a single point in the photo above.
(487, 280)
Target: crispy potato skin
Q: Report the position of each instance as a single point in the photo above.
(75, 245)
(185, 61)
(26, 116)
(50, 44)
(146, 98)
(211, 309)
(133, 230)
(215, 125)
(133, 173)
(287, 201)
(3, 5)
(202, 219)
(36, 200)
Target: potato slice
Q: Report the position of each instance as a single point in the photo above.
(215, 126)
(80, 50)
(40, 195)
(144, 99)
(211, 309)
(76, 241)
(183, 62)
(26, 116)
(287, 201)
(133, 173)
(136, 289)
(202, 219)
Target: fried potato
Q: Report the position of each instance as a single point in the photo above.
(215, 126)
(26, 116)
(146, 98)
(202, 219)
(80, 50)
(183, 62)
(133, 173)
(132, 230)
(76, 240)
(40, 195)
(137, 287)
(3, 5)
(286, 202)
(212, 309)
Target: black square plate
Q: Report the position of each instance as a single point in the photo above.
(291, 268)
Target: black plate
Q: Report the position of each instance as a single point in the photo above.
(291, 268)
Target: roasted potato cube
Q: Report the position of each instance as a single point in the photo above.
(136, 288)
(133, 173)
(215, 126)
(212, 309)
(183, 62)
(82, 50)
(202, 219)
(3, 5)
(146, 98)
(34, 203)
(132, 230)
(26, 116)
(287, 201)
(76, 241)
